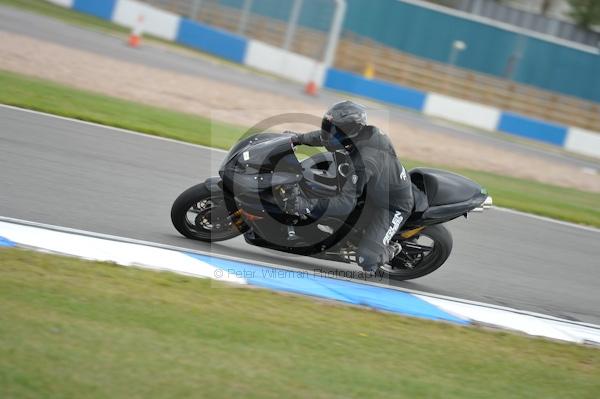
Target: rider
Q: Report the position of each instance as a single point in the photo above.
(375, 168)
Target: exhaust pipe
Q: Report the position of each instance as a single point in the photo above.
(487, 204)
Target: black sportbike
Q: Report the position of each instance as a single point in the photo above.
(261, 175)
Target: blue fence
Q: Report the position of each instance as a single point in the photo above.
(429, 34)
(98, 8)
(532, 129)
(377, 89)
(221, 43)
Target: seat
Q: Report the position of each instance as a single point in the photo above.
(421, 201)
(442, 187)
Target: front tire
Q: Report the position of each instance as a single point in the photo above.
(202, 215)
(414, 262)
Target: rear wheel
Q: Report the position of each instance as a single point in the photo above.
(201, 215)
(420, 255)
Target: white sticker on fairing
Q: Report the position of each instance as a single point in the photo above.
(246, 155)
(403, 174)
(396, 221)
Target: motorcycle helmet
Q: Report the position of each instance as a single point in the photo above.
(342, 125)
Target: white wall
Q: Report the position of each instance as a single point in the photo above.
(583, 142)
(293, 66)
(157, 22)
(461, 111)
(64, 3)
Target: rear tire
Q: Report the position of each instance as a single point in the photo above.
(201, 215)
(442, 247)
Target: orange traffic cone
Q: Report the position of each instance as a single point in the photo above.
(311, 88)
(135, 37)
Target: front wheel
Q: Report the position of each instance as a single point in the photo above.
(420, 255)
(201, 215)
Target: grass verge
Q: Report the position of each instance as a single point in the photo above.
(46, 96)
(73, 328)
(538, 198)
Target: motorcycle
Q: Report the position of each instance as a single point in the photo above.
(259, 178)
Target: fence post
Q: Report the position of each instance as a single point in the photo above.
(244, 17)
(292, 24)
(195, 9)
(334, 32)
(515, 58)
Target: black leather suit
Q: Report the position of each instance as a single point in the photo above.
(389, 198)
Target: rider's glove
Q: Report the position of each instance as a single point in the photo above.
(296, 137)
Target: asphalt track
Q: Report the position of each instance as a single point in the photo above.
(49, 29)
(100, 179)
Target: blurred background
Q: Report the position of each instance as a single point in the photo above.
(535, 57)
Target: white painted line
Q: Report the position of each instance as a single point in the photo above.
(514, 320)
(458, 302)
(547, 219)
(122, 253)
(148, 256)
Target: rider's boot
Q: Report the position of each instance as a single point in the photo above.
(394, 249)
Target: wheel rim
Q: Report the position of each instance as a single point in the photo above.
(209, 219)
(416, 255)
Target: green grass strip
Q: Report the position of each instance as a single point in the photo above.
(538, 198)
(46, 96)
(78, 329)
